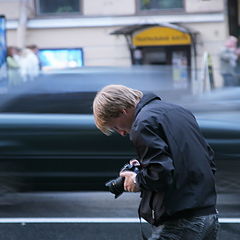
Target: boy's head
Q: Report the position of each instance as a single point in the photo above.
(111, 103)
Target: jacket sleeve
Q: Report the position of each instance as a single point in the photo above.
(157, 165)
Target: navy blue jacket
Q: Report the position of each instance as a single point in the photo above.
(176, 159)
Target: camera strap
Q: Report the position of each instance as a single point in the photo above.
(141, 229)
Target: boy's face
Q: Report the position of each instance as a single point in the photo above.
(123, 123)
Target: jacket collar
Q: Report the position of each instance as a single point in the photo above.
(148, 97)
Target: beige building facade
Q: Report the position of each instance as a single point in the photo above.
(90, 24)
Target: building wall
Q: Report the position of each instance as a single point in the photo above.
(99, 47)
(91, 29)
(204, 6)
(9, 8)
(108, 7)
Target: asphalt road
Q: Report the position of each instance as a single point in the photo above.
(90, 215)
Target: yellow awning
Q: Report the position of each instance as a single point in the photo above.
(160, 36)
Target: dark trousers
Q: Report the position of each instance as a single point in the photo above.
(193, 228)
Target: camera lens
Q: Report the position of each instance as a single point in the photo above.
(116, 186)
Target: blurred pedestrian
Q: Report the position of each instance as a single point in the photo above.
(29, 65)
(137, 55)
(13, 65)
(35, 50)
(229, 56)
(176, 176)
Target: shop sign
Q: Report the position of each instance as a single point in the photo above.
(161, 36)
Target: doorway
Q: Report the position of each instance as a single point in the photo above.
(176, 60)
(233, 8)
(166, 55)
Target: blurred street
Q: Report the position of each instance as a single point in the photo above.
(89, 215)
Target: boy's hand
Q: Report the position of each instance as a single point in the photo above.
(130, 184)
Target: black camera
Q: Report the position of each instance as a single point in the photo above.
(116, 186)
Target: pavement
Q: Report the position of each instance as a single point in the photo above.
(90, 216)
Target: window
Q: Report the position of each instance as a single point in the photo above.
(60, 58)
(58, 6)
(160, 4)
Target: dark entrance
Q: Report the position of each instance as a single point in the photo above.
(167, 55)
(233, 17)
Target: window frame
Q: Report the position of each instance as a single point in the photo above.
(167, 11)
(39, 14)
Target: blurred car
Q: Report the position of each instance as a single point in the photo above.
(218, 100)
(58, 91)
(48, 139)
(59, 151)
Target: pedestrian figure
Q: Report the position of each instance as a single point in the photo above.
(177, 169)
(29, 65)
(228, 62)
(13, 65)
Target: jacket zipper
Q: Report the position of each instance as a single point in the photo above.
(153, 217)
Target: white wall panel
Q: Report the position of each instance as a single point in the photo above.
(204, 5)
(108, 7)
(9, 8)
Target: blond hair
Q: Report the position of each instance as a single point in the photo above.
(110, 101)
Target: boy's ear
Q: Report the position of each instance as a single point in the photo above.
(124, 111)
